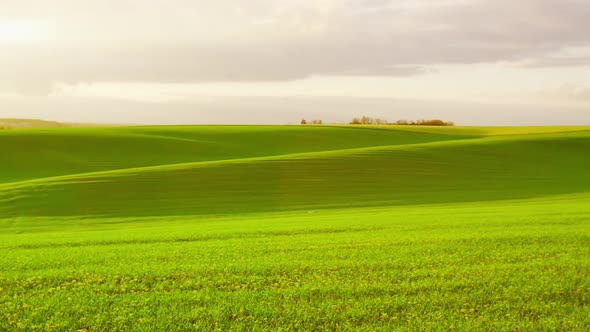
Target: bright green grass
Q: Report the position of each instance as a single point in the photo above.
(496, 266)
(298, 228)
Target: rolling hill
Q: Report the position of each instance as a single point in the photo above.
(216, 170)
(29, 123)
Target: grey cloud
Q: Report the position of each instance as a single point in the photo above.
(400, 71)
(554, 61)
(298, 39)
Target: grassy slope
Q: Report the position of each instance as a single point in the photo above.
(440, 230)
(440, 172)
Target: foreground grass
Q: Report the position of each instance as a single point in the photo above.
(502, 265)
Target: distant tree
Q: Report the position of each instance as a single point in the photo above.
(434, 122)
(367, 120)
(355, 121)
(316, 122)
(423, 122)
(303, 121)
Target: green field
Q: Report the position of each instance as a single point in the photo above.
(295, 228)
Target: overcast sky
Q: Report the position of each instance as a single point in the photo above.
(274, 61)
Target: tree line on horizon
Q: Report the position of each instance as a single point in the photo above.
(367, 120)
(316, 122)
